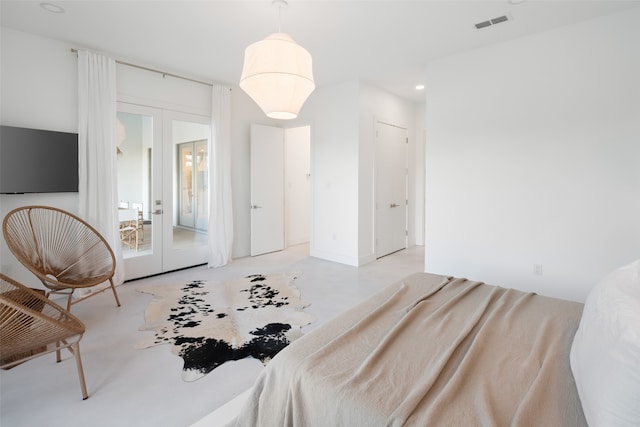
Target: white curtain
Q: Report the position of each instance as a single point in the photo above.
(98, 185)
(220, 209)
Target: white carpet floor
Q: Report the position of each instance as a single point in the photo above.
(143, 387)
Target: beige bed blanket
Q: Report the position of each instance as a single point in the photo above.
(429, 350)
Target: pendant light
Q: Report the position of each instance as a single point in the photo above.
(277, 74)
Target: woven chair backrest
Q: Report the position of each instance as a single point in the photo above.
(57, 246)
(26, 313)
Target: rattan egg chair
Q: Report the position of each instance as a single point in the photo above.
(31, 325)
(61, 249)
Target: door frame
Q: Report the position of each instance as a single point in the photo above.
(299, 181)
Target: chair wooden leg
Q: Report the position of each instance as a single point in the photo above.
(115, 294)
(70, 299)
(75, 350)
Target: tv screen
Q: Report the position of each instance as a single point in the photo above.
(37, 161)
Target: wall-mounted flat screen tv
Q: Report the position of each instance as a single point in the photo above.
(37, 161)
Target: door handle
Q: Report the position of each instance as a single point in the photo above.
(157, 212)
(393, 205)
(256, 207)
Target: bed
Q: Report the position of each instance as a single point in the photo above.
(431, 350)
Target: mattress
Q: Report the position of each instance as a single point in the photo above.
(428, 350)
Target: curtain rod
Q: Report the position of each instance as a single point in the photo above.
(164, 73)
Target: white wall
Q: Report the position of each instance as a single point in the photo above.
(533, 157)
(419, 164)
(332, 113)
(34, 95)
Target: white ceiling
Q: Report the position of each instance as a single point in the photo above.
(386, 43)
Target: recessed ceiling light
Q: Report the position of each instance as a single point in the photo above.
(53, 8)
(516, 1)
(419, 87)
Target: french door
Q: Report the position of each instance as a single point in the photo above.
(153, 168)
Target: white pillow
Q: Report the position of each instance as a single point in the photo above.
(605, 354)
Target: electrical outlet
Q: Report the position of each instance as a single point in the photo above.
(537, 269)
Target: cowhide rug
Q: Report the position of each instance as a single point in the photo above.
(210, 323)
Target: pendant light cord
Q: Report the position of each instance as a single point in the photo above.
(279, 3)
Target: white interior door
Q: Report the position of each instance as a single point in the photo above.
(267, 189)
(391, 189)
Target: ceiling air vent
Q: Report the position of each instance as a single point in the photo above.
(491, 22)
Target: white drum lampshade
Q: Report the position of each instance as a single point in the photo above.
(277, 74)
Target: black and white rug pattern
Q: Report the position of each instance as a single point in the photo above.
(209, 323)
